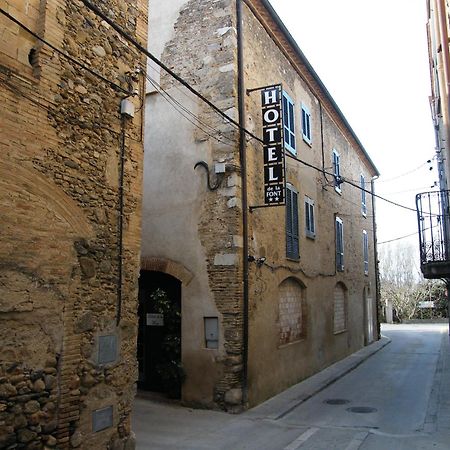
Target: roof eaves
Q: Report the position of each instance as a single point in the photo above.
(316, 77)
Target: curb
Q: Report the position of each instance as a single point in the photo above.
(282, 404)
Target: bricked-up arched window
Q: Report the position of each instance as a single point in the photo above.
(339, 308)
(291, 311)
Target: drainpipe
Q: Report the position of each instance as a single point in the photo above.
(375, 255)
(243, 163)
(443, 37)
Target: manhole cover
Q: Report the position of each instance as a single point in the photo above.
(361, 409)
(336, 401)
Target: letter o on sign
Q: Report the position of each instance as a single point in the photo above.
(271, 116)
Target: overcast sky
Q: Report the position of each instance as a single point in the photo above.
(372, 57)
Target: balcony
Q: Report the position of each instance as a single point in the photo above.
(434, 228)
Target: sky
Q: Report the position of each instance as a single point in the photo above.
(373, 59)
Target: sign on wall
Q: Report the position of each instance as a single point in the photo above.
(273, 148)
(155, 320)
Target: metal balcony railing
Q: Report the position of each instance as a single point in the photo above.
(434, 228)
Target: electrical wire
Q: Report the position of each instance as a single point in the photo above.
(193, 119)
(178, 78)
(55, 113)
(143, 50)
(398, 238)
(65, 55)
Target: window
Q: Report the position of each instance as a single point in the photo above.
(363, 195)
(289, 123)
(306, 124)
(337, 171)
(292, 250)
(310, 227)
(339, 245)
(366, 252)
(339, 310)
(291, 311)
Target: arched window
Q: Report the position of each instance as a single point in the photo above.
(340, 308)
(292, 316)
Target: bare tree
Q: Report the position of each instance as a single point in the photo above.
(400, 279)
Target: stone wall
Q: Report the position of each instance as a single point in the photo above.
(67, 325)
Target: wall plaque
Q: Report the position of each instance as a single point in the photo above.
(155, 320)
(102, 419)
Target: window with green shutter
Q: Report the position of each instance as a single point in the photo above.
(289, 124)
(339, 245)
(310, 227)
(292, 246)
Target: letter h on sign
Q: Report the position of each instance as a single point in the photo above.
(274, 167)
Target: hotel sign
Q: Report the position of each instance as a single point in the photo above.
(273, 148)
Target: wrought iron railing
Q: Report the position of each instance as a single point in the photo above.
(434, 228)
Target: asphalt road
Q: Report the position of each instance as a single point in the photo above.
(397, 399)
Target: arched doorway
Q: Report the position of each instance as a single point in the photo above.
(159, 333)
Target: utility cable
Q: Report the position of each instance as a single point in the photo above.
(193, 119)
(143, 50)
(65, 55)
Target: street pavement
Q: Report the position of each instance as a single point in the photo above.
(391, 395)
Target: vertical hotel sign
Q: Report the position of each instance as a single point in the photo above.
(273, 148)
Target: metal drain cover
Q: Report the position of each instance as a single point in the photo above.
(362, 409)
(336, 401)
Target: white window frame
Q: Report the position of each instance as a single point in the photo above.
(363, 195)
(310, 225)
(306, 124)
(289, 123)
(366, 252)
(339, 227)
(337, 171)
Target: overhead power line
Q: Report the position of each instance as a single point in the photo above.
(64, 54)
(143, 50)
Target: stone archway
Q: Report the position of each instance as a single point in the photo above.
(167, 266)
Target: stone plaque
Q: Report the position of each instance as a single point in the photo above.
(107, 349)
(155, 320)
(102, 419)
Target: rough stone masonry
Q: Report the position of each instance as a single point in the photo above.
(70, 190)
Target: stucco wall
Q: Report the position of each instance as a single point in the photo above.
(183, 221)
(273, 367)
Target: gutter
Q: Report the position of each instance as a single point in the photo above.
(375, 256)
(243, 163)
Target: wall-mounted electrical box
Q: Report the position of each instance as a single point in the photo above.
(212, 332)
(219, 167)
(127, 108)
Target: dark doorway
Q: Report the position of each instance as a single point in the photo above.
(159, 334)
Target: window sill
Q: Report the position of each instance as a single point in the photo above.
(340, 332)
(310, 236)
(308, 141)
(290, 344)
(290, 258)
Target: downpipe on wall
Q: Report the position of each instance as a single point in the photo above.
(243, 162)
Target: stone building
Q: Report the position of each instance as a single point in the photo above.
(265, 296)
(70, 209)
